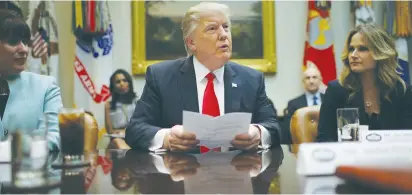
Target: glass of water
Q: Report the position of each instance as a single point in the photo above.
(30, 154)
(348, 124)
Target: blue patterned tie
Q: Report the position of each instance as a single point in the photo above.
(314, 100)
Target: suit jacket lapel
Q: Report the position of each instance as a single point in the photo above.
(303, 101)
(388, 109)
(233, 86)
(357, 102)
(188, 87)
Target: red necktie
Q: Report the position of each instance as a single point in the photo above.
(210, 104)
(205, 149)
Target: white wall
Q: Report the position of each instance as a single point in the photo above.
(291, 19)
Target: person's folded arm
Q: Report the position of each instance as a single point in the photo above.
(52, 104)
(143, 126)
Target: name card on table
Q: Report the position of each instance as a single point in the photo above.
(319, 185)
(386, 136)
(323, 158)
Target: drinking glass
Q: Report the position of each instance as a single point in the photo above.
(348, 124)
(30, 154)
(71, 125)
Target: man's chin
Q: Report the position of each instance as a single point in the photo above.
(225, 56)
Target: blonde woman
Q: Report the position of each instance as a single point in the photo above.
(370, 82)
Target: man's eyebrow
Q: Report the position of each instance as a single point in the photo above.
(210, 23)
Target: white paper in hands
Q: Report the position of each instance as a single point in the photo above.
(216, 131)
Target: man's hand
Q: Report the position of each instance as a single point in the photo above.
(247, 141)
(248, 162)
(180, 165)
(179, 140)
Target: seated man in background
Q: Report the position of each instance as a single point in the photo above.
(205, 82)
(24, 97)
(312, 80)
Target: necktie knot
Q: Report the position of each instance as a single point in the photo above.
(210, 77)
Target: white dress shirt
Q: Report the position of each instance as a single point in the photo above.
(201, 71)
(309, 98)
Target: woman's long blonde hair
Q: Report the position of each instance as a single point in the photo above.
(383, 50)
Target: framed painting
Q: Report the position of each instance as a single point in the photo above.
(157, 35)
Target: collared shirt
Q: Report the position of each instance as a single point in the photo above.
(201, 81)
(309, 98)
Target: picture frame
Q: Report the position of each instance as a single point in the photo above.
(266, 63)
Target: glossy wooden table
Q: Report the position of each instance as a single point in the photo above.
(120, 171)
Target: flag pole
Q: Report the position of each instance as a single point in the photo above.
(46, 27)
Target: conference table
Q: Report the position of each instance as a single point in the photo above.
(120, 171)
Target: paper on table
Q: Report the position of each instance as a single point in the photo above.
(319, 185)
(216, 131)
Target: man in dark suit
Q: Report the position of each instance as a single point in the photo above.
(204, 82)
(312, 81)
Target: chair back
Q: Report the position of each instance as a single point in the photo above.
(91, 130)
(304, 124)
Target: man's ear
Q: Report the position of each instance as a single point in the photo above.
(191, 44)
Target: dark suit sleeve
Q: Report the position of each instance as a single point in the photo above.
(143, 125)
(327, 126)
(287, 138)
(265, 114)
(407, 109)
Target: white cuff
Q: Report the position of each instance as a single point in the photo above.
(159, 163)
(266, 160)
(265, 144)
(157, 141)
(264, 137)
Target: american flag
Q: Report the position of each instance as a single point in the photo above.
(39, 44)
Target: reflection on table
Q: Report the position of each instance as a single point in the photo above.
(118, 170)
(183, 168)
